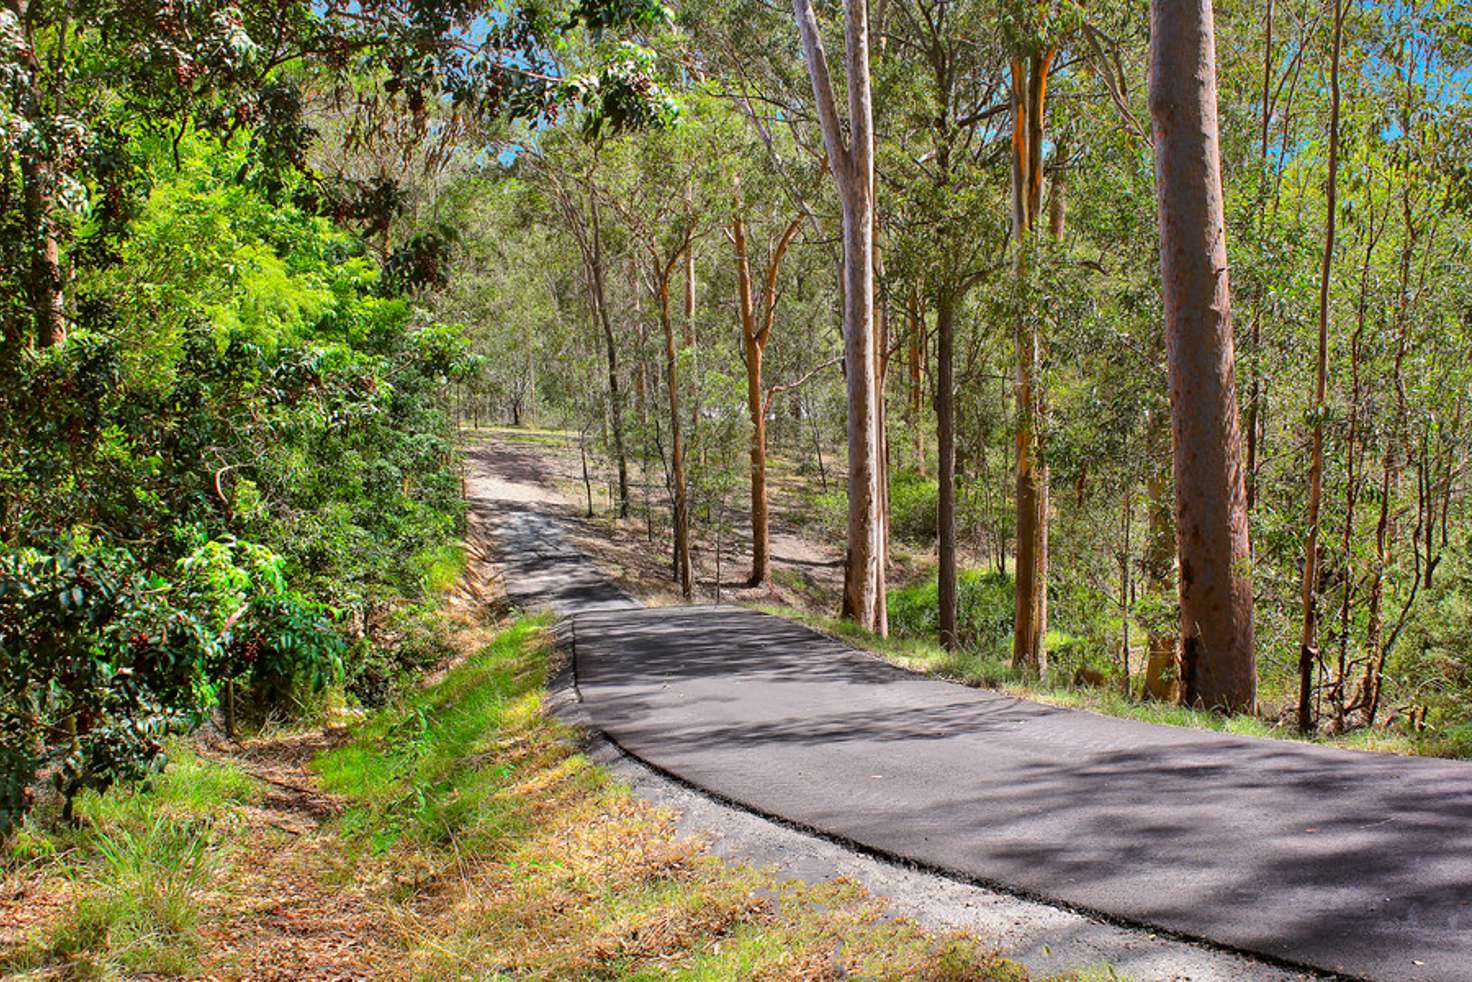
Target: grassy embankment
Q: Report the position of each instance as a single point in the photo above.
(484, 843)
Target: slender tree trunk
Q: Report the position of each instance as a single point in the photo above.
(917, 358)
(761, 560)
(1030, 623)
(45, 278)
(587, 478)
(752, 344)
(945, 425)
(1058, 193)
(44, 283)
(1308, 650)
(677, 444)
(881, 436)
(1352, 478)
(691, 343)
(230, 709)
(1126, 585)
(851, 161)
(754, 337)
(1376, 650)
(1254, 401)
(615, 399)
(1218, 662)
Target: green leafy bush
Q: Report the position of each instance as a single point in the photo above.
(984, 609)
(96, 667)
(237, 466)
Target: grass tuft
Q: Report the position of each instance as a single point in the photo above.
(136, 871)
(440, 567)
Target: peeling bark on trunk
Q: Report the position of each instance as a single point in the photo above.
(851, 161)
(1030, 623)
(1218, 661)
(45, 279)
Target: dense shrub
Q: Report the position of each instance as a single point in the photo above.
(236, 467)
(100, 659)
(985, 609)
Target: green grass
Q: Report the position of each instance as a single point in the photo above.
(405, 770)
(138, 867)
(490, 847)
(528, 435)
(440, 568)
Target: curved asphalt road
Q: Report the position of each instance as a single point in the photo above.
(1347, 862)
(1351, 863)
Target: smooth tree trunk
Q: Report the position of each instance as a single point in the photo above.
(756, 331)
(677, 459)
(1218, 666)
(615, 398)
(851, 162)
(587, 477)
(663, 274)
(1254, 401)
(945, 424)
(692, 343)
(917, 364)
(881, 373)
(761, 562)
(1308, 646)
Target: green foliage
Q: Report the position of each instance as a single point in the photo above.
(240, 404)
(96, 666)
(984, 610)
(912, 507)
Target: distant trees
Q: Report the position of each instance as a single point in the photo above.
(1081, 392)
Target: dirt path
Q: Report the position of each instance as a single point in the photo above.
(539, 469)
